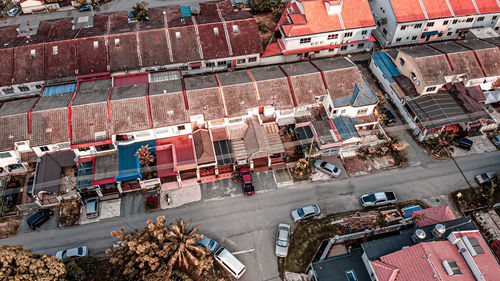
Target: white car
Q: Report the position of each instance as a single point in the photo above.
(486, 177)
(306, 212)
(73, 252)
(282, 241)
(327, 168)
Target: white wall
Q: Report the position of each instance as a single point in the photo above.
(9, 160)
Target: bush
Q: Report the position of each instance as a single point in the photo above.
(73, 271)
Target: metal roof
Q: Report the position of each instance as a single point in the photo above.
(334, 63)
(200, 82)
(59, 89)
(91, 97)
(234, 78)
(345, 127)
(53, 102)
(449, 47)
(335, 268)
(173, 86)
(436, 110)
(386, 66)
(420, 51)
(16, 107)
(94, 85)
(299, 68)
(129, 91)
(223, 152)
(267, 73)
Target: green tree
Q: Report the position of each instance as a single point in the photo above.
(263, 6)
(140, 11)
(382, 21)
(73, 271)
(21, 264)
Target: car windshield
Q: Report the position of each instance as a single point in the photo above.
(80, 251)
(369, 198)
(211, 244)
(323, 164)
(335, 170)
(282, 243)
(300, 212)
(485, 177)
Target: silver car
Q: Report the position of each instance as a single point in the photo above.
(73, 252)
(282, 241)
(306, 212)
(486, 177)
(327, 168)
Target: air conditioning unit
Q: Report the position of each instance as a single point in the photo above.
(22, 146)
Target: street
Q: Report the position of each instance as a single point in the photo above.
(249, 223)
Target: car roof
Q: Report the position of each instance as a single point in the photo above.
(283, 233)
(309, 209)
(72, 252)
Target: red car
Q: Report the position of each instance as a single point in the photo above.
(246, 181)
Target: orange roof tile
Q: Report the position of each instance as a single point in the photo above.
(298, 19)
(463, 7)
(272, 49)
(437, 9)
(356, 14)
(433, 215)
(384, 272)
(487, 6)
(407, 10)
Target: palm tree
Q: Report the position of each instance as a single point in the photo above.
(182, 243)
(442, 145)
(145, 157)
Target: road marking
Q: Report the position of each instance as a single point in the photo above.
(244, 252)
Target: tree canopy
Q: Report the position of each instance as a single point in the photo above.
(140, 11)
(21, 264)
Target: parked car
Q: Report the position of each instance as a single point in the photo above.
(246, 181)
(210, 244)
(230, 262)
(496, 141)
(378, 199)
(39, 218)
(85, 8)
(486, 177)
(282, 240)
(390, 118)
(13, 12)
(306, 213)
(73, 252)
(327, 168)
(463, 143)
(92, 210)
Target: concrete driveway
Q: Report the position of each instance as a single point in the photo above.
(52, 223)
(481, 145)
(132, 203)
(227, 188)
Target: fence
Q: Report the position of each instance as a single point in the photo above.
(357, 235)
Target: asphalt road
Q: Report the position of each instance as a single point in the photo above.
(114, 6)
(248, 223)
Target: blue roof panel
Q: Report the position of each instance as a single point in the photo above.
(345, 127)
(59, 89)
(386, 65)
(185, 11)
(129, 167)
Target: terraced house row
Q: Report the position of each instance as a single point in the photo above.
(216, 39)
(200, 127)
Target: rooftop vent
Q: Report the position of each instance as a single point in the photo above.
(418, 236)
(438, 230)
(451, 268)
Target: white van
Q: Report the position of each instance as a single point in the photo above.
(230, 262)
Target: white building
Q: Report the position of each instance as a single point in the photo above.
(321, 28)
(409, 21)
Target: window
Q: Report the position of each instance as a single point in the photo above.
(430, 89)
(83, 149)
(299, 55)
(331, 50)
(401, 61)
(32, 53)
(305, 40)
(178, 35)
(494, 18)
(316, 52)
(252, 59)
(469, 19)
(184, 67)
(454, 21)
(418, 25)
(216, 31)
(117, 43)
(44, 148)
(348, 34)
(235, 28)
(475, 244)
(54, 50)
(449, 33)
(8, 91)
(414, 38)
(445, 22)
(398, 39)
(104, 147)
(333, 36)
(361, 45)
(480, 18)
(240, 61)
(23, 88)
(181, 127)
(343, 48)
(451, 267)
(96, 44)
(209, 64)
(440, 34)
(362, 111)
(384, 31)
(413, 76)
(351, 276)
(221, 63)
(403, 27)
(430, 24)
(364, 32)
(5, 155)
(497, 28)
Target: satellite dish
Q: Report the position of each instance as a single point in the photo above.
(38, 160)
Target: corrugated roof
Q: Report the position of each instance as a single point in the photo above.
(59, 89)
(386, 66)
(130, 91)
(345, 128)
(200, 82)
(234, 77)
(53, 102)
(172, 86)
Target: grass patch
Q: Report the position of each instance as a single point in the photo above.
(305, 241)
(8, 226)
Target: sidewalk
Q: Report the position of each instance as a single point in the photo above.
(180, 196)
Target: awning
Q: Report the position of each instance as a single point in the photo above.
(129, 167)
(492, 96)
(223, 152)
(105, 169)
(195, 64)
(84, 176)
(132, 79)
(59, 89)
(430, 33)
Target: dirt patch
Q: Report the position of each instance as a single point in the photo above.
(8, 227)
(266, 24)
(354, 165)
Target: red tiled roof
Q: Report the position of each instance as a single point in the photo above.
(182, 151)
(437, 9)
(298, 19)
(384, 272)
(407, 10)
(271, 50)
(433, 215)
(356, 14)
(463, 7)
(488, 6)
